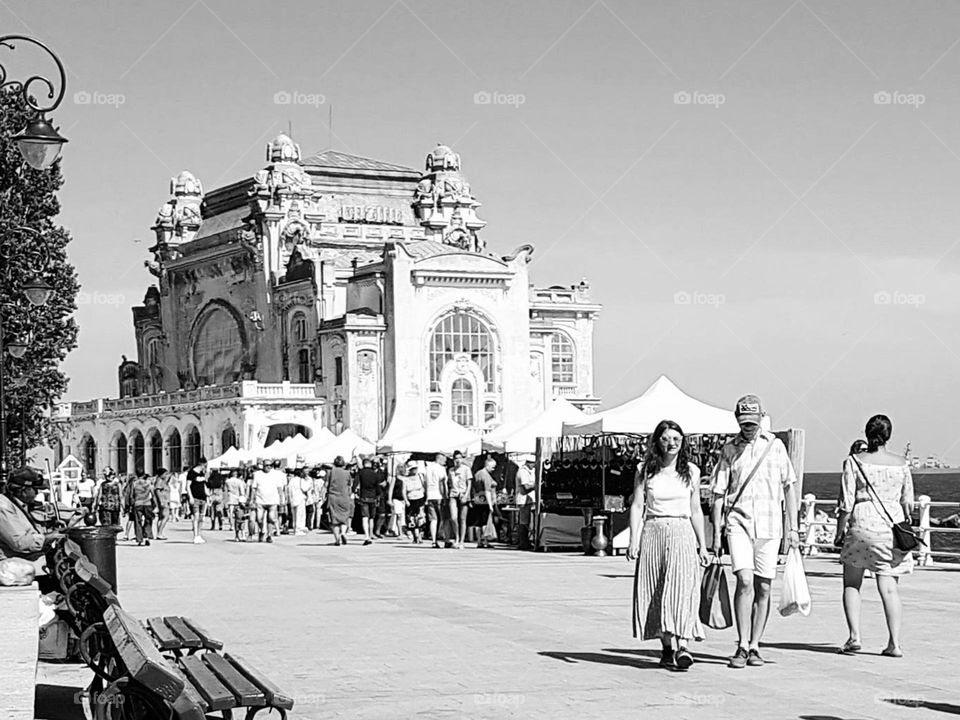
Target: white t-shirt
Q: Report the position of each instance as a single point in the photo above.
(434, 479)
(667, 495)
(266, 487)
(525, 476)
(85, 487)
(295, 491)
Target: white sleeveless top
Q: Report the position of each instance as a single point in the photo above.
(666, 495)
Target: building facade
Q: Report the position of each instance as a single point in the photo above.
(331, 291)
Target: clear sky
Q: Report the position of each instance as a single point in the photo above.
(762, 194)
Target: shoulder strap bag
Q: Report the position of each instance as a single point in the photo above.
(904, 538)
(743, 485)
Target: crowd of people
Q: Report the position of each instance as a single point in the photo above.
(438, 499)
(751, 484)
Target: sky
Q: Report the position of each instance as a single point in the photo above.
(762, 195)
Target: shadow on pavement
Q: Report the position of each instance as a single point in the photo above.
(823, 717)
(655, 654)
(602, 659)
(827, 648)
(57, 702)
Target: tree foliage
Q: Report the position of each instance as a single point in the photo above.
(28, 198)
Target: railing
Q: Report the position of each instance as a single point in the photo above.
(925, 553)
(244, 389)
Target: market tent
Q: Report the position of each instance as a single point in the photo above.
(347, 445)
(549, 423)
(232, 458)
(440, 435)
(320, 439)
(662, 401)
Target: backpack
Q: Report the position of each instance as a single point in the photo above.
(110, 496)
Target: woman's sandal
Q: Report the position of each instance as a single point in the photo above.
(849, 648)
(892, 652)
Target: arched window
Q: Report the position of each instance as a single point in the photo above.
(228, 438)
(461, 402)
(121, 455)
(564, 363)
(462, 334)
(192, 448)
(298, 327)
(176, 450)
(88, 449)
(139, 451)
(155, 441)
(217, 349)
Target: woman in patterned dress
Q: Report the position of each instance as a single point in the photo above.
(865, 534)
(669, 548)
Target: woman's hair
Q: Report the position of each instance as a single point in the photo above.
(655, 458)
(858, 447)
(878, 432)
(338, 461)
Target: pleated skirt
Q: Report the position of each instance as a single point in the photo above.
(666, 587)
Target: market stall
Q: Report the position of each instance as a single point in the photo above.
(440, 435)
(586, 475)
(523, 438)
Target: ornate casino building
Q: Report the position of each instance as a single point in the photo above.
(331, 291)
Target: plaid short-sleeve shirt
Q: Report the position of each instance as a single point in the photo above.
(759, 512)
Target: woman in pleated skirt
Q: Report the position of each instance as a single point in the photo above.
(667, 543)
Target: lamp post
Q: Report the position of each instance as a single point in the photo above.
(39, 142)
(37, 291)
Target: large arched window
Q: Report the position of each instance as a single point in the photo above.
(228, 438)
(461, 402)
(564, 359)
(88, 451)
(217, 348)
(462, 334)
(122, 451)
(192, 449)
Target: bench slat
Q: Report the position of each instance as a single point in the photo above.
(163, 634)
(202, 678)
(246, 692)
(87, 572)
(275, 696)
(209, 642)
(141, 657)
(188, 638)
(190, 704)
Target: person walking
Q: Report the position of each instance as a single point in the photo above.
(140, 499)
(459, 479)
(414, 497)
(84, 496)
(264, 498)
(339, 500)
(367, 489)
(107, 501)
(298, 502)
(196, 482)
(162, 495)
(398, 514)
(751, 482)
(215, 483)
(435, 480)
(876, 491)
(526, 497)
(669, 546)
(483, 498)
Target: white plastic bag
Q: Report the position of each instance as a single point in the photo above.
(795, 596)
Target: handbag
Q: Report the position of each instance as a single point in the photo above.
(904, 538)
(715, 610)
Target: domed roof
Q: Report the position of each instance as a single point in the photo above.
(442, 157)
(283, 149)
(186, 183)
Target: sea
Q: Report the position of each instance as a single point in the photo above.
(940, 486)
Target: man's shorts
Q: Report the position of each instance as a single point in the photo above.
(198, 505)
(759, 555)
(368, 508)
(433, 510)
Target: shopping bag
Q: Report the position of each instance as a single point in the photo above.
(715, 610)
(795, 596)
(490, 529)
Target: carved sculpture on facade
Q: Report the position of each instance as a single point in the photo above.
(178, 220)
(444, 203)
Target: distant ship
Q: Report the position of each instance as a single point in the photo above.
(932, 465)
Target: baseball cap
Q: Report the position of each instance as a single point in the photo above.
(749, 409)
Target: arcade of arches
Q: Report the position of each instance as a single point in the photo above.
(137, 452)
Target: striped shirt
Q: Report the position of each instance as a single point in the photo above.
(759, 512)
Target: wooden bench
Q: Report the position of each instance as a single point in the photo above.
(176, 634)
(186, 689)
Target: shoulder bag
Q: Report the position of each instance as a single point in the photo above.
(904, 538)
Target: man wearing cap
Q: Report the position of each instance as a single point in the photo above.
(526, 498)
(751, 481)
(20, 535)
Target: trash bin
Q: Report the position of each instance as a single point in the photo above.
(99, 544)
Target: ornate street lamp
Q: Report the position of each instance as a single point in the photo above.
(39, 142)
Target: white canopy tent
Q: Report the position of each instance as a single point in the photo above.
(347, 445)
(321, 438)
(662, 401)
(232, 458)
(549, 423)
(440, 435)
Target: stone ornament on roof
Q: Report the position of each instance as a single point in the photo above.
(444, 202)
(442, 158)
(283, 149)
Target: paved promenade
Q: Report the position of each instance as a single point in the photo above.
(401, 631)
